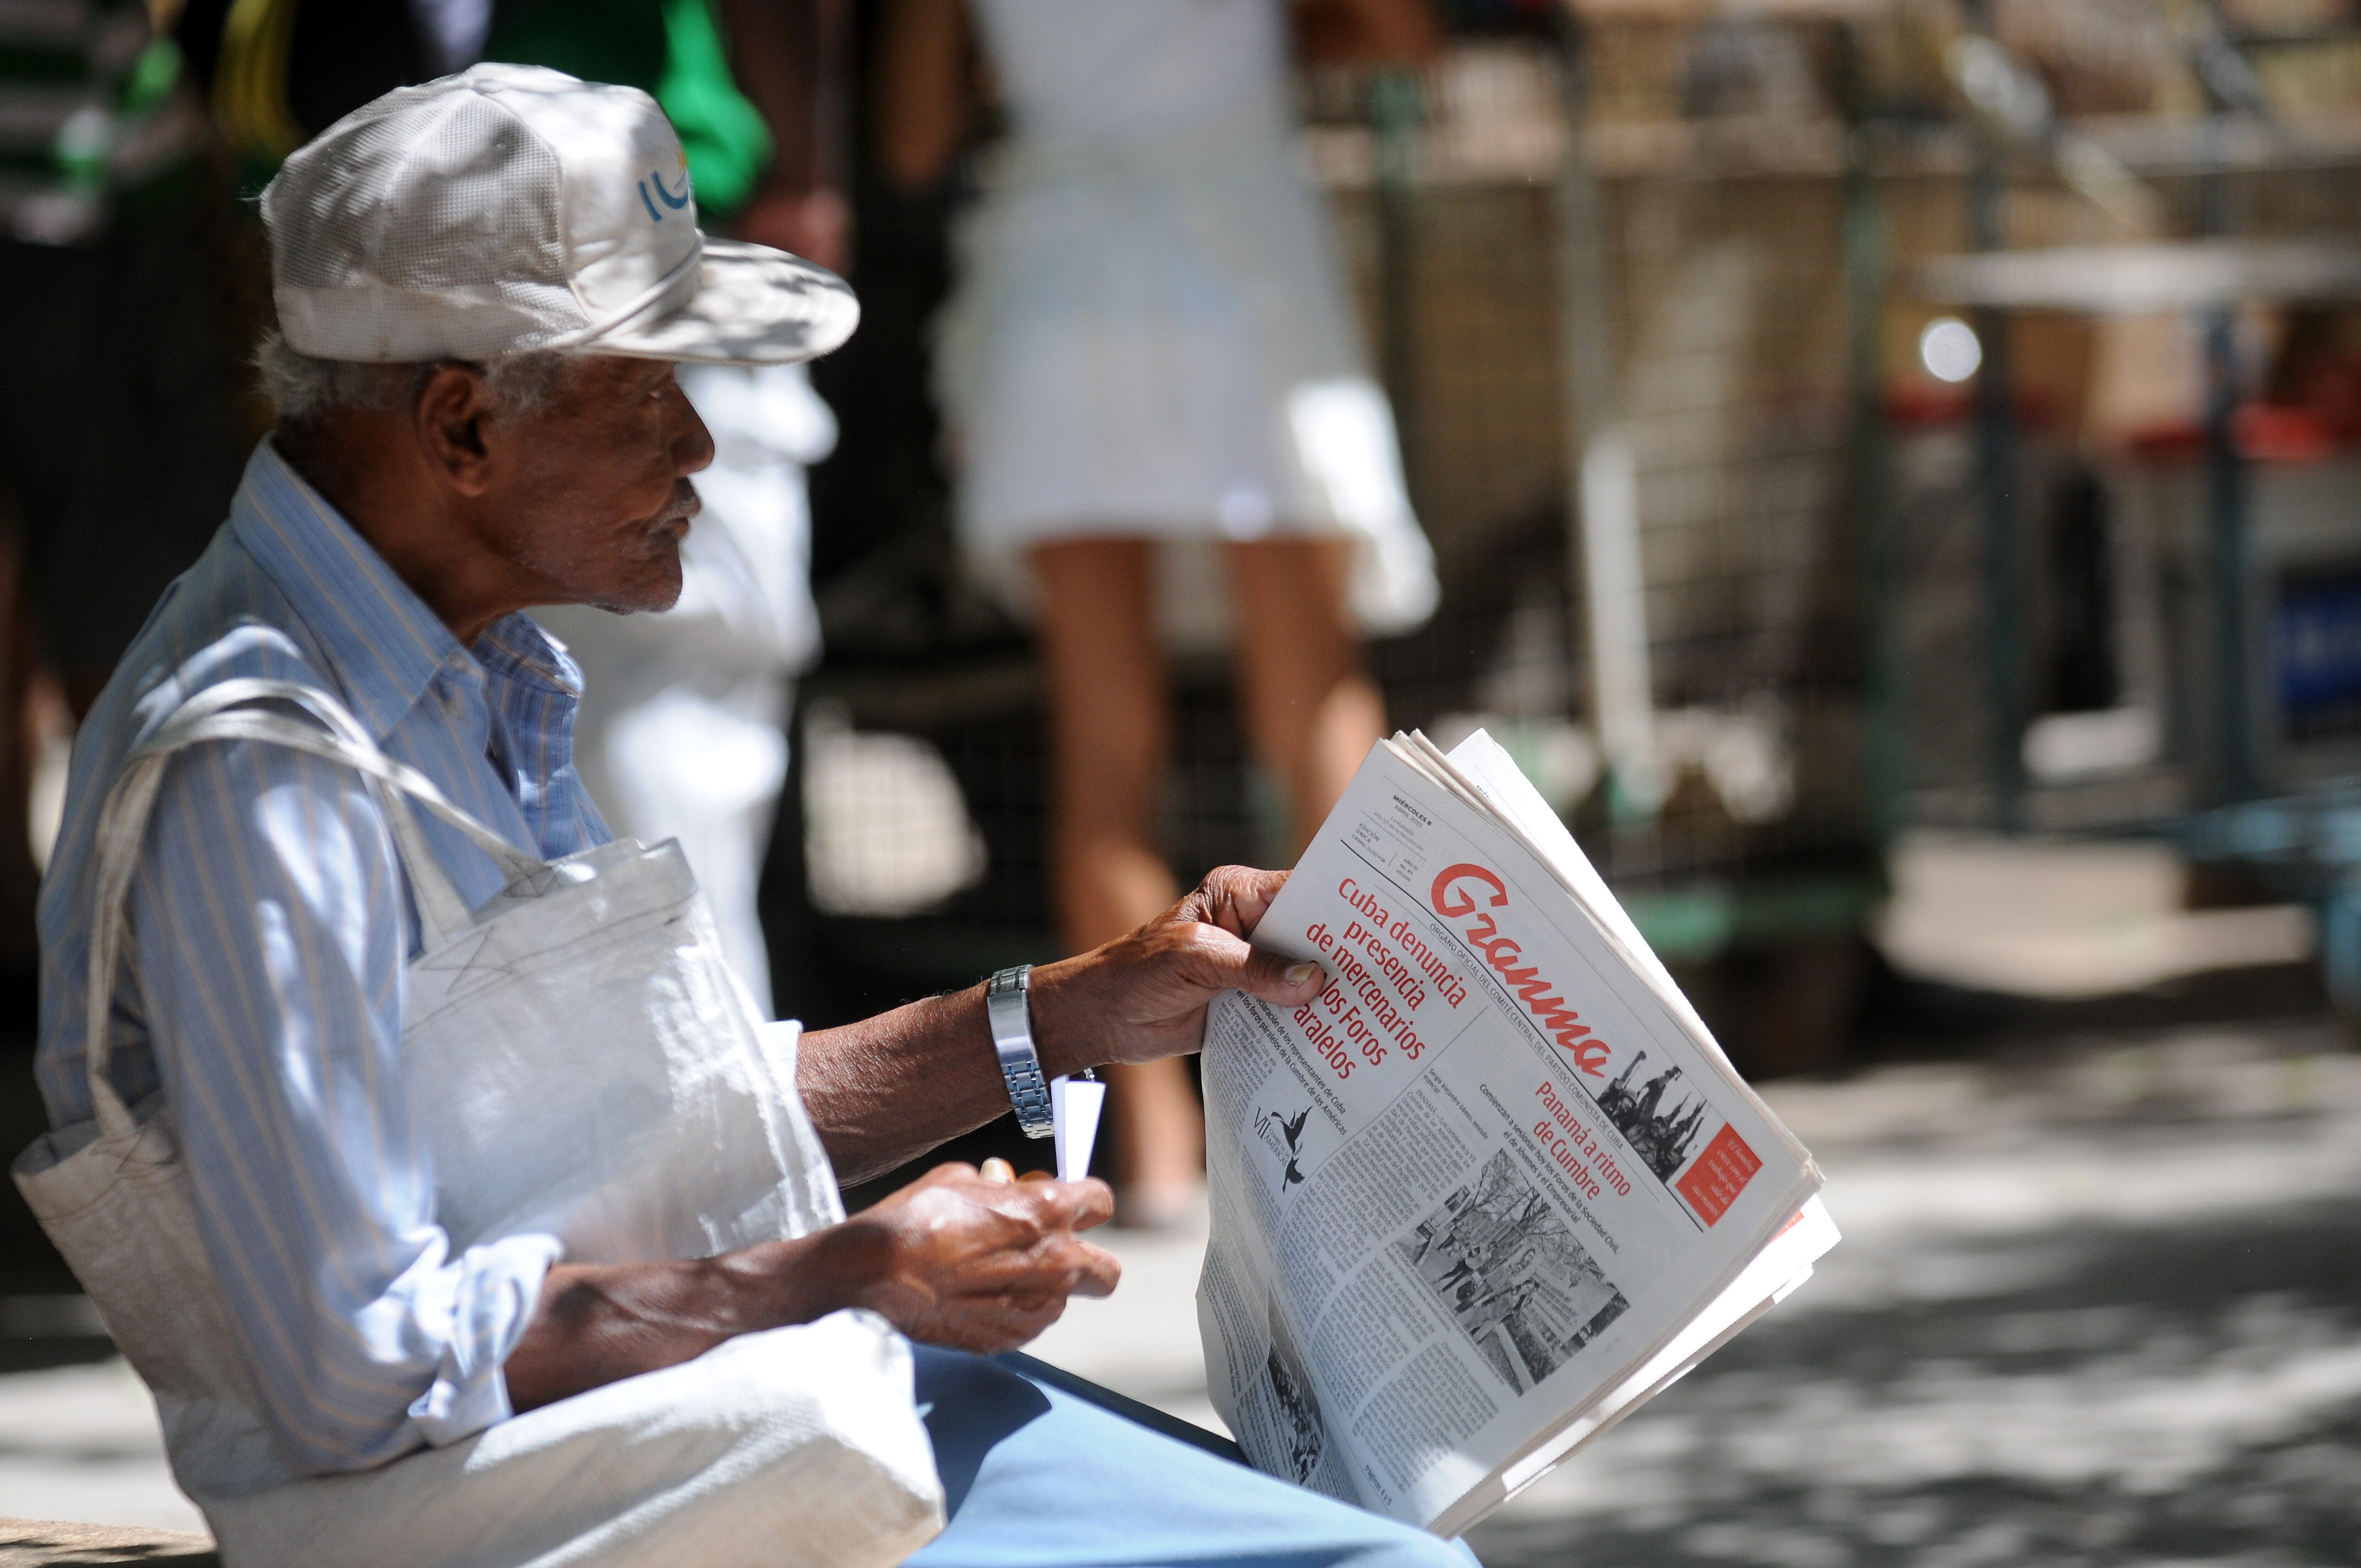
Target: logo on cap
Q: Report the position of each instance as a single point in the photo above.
(655, 178)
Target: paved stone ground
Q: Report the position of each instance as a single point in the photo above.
(80, 1442)
(2102, 1308)
(2099, 1303)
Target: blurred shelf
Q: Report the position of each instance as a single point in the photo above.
(2123, 280)
(1688, 11)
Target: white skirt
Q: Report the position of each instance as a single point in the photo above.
(1152, 340)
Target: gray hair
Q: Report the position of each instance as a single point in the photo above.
(302, 388)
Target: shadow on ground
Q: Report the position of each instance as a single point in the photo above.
(2184, 1394)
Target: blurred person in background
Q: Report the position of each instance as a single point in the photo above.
(682, 735)
(277, 72)
(117, 451)
(682, 732)
(1151, 343)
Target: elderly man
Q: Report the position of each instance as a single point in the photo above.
(484, 284)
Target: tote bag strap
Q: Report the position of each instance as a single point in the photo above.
(224, 712)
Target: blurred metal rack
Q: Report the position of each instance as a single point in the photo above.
(2307, 848)
(2210, 278)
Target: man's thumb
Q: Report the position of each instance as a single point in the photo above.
(1280, 980)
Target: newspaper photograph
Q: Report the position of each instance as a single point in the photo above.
(1512, 1274)
(1496, 1173)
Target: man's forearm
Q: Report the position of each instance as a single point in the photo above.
(892, 1087)
(960, 1258)
(888, 1089)
(599, 1323)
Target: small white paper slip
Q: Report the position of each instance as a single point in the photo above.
(1074, 1105)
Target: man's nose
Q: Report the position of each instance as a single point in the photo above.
(692, 447)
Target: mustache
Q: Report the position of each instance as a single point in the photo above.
(685, 503)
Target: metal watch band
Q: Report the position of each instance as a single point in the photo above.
(1007, 1003)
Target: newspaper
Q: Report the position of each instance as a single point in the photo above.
(1496, 1187)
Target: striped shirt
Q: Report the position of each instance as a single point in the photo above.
(270, 934)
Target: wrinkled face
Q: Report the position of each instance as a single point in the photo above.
(589, 494)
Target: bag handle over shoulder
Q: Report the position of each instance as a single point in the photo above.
(227, 712)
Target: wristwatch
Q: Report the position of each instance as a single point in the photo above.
(1007, 1004)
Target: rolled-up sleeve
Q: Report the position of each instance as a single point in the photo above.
(271, 934)
(479, 1308)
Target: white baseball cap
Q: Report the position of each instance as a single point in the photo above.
(513, 208)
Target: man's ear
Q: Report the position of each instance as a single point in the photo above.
(448, 416)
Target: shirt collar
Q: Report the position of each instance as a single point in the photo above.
(383, 645)
(516, 645)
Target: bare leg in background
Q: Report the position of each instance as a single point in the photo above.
(1110, 733)
(1311, 714)
(1310, 709)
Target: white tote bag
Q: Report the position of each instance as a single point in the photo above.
(583, 1063)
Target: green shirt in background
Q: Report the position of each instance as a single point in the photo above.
(88, 114)
(671, 50)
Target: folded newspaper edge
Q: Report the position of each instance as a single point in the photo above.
(1416, 1297)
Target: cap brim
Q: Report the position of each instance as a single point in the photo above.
(753, 305)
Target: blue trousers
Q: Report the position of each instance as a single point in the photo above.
(1040, 1471)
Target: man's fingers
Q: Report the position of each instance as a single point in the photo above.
(1070, 1205)
(988, 1325)
(1064, 1264)
(1097, 1272)
(1043, 1286)
(1223, 962)
(1080, 1269)
(1020, 1325)
(1076, 1268)
(1235, 897)
(1281, 980)
(1093, 1201)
